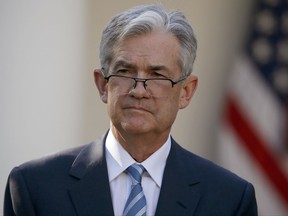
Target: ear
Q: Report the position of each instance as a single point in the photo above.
(101, 84)
(187, 91)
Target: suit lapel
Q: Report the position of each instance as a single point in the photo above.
(91, 192)
(91, 195)
(179, 193)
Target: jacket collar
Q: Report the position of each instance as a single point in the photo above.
(179, 193)
(91, 192)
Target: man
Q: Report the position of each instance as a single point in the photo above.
(137, 168)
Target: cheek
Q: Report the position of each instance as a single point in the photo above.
(169, 109)
(115, 102)
(112, 103)
(174, 105)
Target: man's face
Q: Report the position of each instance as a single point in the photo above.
(136, 110)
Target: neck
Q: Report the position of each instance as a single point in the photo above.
(140, 146)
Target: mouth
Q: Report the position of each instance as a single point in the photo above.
(137, 109)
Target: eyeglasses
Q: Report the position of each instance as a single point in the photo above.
(158, 87)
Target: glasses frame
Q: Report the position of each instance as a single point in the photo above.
(144, 80)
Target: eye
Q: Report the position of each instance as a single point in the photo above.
(157, 75)
(122, 71)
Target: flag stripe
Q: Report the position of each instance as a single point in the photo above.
(257, 148)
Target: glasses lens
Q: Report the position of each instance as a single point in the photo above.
(123, 84)
(155, 87)
(159, 87)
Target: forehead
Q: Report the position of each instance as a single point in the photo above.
(156, 48)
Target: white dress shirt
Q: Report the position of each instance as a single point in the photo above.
(118, 160)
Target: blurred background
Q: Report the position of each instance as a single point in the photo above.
(237, 118)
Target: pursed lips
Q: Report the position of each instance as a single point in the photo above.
(137, 108)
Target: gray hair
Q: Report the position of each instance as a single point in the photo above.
(145, 19)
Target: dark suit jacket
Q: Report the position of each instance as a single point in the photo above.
(75, 182)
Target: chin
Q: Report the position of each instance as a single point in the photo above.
(135, 128)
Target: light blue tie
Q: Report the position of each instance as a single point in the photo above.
(136, 203)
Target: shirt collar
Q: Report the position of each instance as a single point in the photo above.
(118, 159)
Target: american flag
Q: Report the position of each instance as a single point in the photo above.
(257, 105)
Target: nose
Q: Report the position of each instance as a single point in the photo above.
(136, 80)
(139, 90)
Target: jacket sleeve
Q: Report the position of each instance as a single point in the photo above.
(17, 200)
(248, 204)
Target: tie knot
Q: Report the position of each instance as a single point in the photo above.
(136, 171)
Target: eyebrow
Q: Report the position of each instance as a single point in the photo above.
(125, 64)
(122, 63)
(158, 68)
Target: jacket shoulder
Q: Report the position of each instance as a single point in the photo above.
(219, 188)
(63, 157)
(213, 179)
